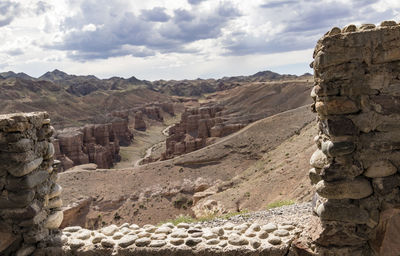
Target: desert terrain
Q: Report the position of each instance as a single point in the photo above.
(257, 156)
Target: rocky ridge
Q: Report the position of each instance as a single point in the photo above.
(198, 128)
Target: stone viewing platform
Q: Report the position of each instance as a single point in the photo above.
(182, 239)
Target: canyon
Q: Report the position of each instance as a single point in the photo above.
(235, 148)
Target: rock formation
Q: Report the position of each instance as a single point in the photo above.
(355, 169)
(139, 121)
(30, 199)
(97, 144)
(198, 128)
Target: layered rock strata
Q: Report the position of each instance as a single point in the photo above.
(355, 169)
(151, 111)
(198, 128)
(97, 144)
(30, 200)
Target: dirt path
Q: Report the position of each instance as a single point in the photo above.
(165, 132)
(148, 153)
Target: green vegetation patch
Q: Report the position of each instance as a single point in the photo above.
(279, 204)
(189, 219)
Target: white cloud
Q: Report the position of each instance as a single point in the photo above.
(172, 39)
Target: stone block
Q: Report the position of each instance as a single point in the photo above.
(23, 145)
(346, 189)
(26, 182)
(381, 168)
(336, 106)
(341, 148)
(339, 126)
(342, 212)
(386, 104)
(387, 235)
(319, 159)
(54, 220)
(22, 197)
(21, 213)
(336, 171)
(23, 169)
(385, 185)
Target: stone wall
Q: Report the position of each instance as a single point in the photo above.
(355, 169)
(30, 198)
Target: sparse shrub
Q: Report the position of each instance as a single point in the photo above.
(183, 202)
(117, 216)
(279, 204)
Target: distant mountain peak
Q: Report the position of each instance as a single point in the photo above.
(54, 75)
(11, 74)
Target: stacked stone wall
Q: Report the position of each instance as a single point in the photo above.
(355, 169)
(30, 200)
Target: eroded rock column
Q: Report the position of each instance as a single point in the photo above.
(30, 200)
(355, 169)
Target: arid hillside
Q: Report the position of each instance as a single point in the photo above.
(227, 174)
(235, 165)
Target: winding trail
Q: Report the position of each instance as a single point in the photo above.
(165, 132)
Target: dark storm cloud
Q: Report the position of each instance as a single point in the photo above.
(157, 14)
(119, 32)
(305, 22)
(8, 12)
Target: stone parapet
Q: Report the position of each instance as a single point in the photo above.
(247, 239)
(355, 169)
(30, 203)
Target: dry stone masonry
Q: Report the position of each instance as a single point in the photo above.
(182, 239)
(30, 200)
(355, 169)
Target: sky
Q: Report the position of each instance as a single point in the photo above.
(175, 39)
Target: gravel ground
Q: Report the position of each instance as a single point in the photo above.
(295, 214)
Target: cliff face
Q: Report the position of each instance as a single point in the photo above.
(97, 144)
(198, 128)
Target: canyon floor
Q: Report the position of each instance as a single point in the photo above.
(265, 162)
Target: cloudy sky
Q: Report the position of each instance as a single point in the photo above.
(175, 39)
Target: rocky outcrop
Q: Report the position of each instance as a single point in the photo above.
(30, 200)
(97, 144)
(140, 125)
(137, 117)
(355, 169)
(197, 128)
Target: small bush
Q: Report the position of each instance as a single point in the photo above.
(183, 202)
(279, 204)
(180, 219)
